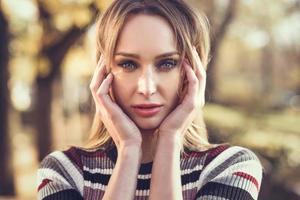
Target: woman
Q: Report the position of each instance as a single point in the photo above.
(148, 138)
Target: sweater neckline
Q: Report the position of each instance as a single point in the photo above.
(145, 168)
(112, 153)
(147, 163)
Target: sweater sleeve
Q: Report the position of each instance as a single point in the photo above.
(234, 174)
(59, 179)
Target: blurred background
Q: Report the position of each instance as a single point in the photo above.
(47, 57)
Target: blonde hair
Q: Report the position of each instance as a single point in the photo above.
(190, 28)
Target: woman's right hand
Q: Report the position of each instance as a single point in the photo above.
(121, 128)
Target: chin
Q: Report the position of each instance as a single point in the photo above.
(147, 123)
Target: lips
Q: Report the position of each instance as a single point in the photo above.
(147, 110)
(147, 105)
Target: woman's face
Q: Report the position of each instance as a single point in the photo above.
(146, 70)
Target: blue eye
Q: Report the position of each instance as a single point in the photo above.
(164, 65)
(127, 65)
(167, 64)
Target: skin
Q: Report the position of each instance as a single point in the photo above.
(147, 81)
(144, 79)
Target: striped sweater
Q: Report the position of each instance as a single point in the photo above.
(223, 172)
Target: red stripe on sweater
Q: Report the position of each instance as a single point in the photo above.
(248, 177)
(44, 183)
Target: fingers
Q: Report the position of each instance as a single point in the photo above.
(98, 75)
(100, 85)
(105, 106)
(201, 75)
(105, 85)
(196, 81)
(191, 95)
(200, 71)
(103, 92)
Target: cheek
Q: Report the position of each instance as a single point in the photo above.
(122, 89)
(171, 85)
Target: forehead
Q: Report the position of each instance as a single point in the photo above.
(149, 34)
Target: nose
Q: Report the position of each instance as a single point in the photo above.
(147, 83)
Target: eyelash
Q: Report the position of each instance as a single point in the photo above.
(171, 62)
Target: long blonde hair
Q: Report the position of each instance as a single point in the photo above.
(190, 28)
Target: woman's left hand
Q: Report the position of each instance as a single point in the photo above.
(182, 116)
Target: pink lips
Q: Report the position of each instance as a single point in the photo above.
(147, 110)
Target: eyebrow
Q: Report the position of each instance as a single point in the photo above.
(137, 56)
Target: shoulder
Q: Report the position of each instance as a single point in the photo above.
(70, 158)
(62, 160)
(60, 173)
(227, 154)
(235, 169)
(238, 160)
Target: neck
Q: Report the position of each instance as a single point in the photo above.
(149, 140)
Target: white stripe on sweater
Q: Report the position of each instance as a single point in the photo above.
(196, 168)
(98, 170)
(99, 186)
(70, 168)
(188, 186)
(217, 161)
(47, 173)
(102, 187)
(110, 171)
(211, 197)
(250, 167)
(58, 181)
(140, 176)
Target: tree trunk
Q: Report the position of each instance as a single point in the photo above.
(218, 36)
(43, 117)
(54, 53)
(6, 172)
(266, 73)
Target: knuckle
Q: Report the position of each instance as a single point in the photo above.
(99, 112)
(194, 81)
(193, 105)
(190, 106)
(92, 87)
(202, 104)
(202, 76)
(202, 101)
(112, 116)
(100, 97)
(100, 94)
